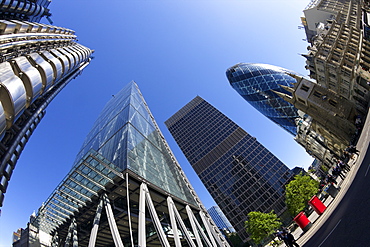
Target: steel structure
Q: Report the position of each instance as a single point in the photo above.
(26, 10)
(36, 62)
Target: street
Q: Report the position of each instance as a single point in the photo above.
(348, 225)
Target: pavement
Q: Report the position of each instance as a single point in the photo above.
(343, 185)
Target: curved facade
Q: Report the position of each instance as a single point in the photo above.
(36, 62)
(256, 83)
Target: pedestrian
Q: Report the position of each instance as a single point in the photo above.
(353, 150)
(289, 240)
(337, 172)
(345, 157)
(344, 166)
(330, 179)
(279, 235)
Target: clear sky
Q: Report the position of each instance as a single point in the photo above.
(174, 50)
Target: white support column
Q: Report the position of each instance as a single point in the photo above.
(94, 230)
(154, 216)
(142, 231)
(112, 223)
(177, 215)
(72, 234)
(203, 233)
(211, 230)
(171, 210)
(128, 209)
(194, 226)
(55, 240)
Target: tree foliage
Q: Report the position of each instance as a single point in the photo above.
(298, 192)
(260, 225)
(235, 240)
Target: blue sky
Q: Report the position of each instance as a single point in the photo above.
(174, 50)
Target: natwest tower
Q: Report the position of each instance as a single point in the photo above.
(240, 174)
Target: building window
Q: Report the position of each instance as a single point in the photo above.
(305, 88)
(317, 94)
(301, 100)
(332, 102)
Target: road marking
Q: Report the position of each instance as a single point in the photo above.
(330, 232)
(367, 170)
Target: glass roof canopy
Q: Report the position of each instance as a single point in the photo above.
(83, 182)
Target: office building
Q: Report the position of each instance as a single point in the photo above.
(238, 171)
(256, 82)
(36, 62)
(338, 57)
(125, 188)
(333, 116)
(220, 219)
(25, 10)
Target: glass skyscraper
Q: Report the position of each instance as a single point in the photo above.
(125, 167)
(239, 172)
(255, 82)
(220, 219)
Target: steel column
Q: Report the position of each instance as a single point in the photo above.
(215, 232)
(145, 196)
(194, 226)
(94, 230)
(112, 223)
(72, 234)
(173, 222)
(177, 215)
(128, 209)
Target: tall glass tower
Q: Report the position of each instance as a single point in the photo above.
(220, 219)
(240, 174)
(125, 188)
(256, 82)
(36, 62)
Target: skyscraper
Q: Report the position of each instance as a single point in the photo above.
(26, 10)
(256, 82)
(125, 167)
(36, 62)
(240, 174)
(220, 219)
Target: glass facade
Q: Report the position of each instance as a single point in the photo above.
(126, 134)
(240, 174)
(126, 161)
(220, 219)
(256, 82)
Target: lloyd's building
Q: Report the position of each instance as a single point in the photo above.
(36, 62)
(125, 189)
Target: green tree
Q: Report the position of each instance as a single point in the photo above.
(260, 225)
(235, 240)
(298, 192)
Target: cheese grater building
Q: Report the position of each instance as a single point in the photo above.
(36, 62)
(240, 174)
(125, 188)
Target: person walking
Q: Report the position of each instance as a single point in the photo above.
(289, 240)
